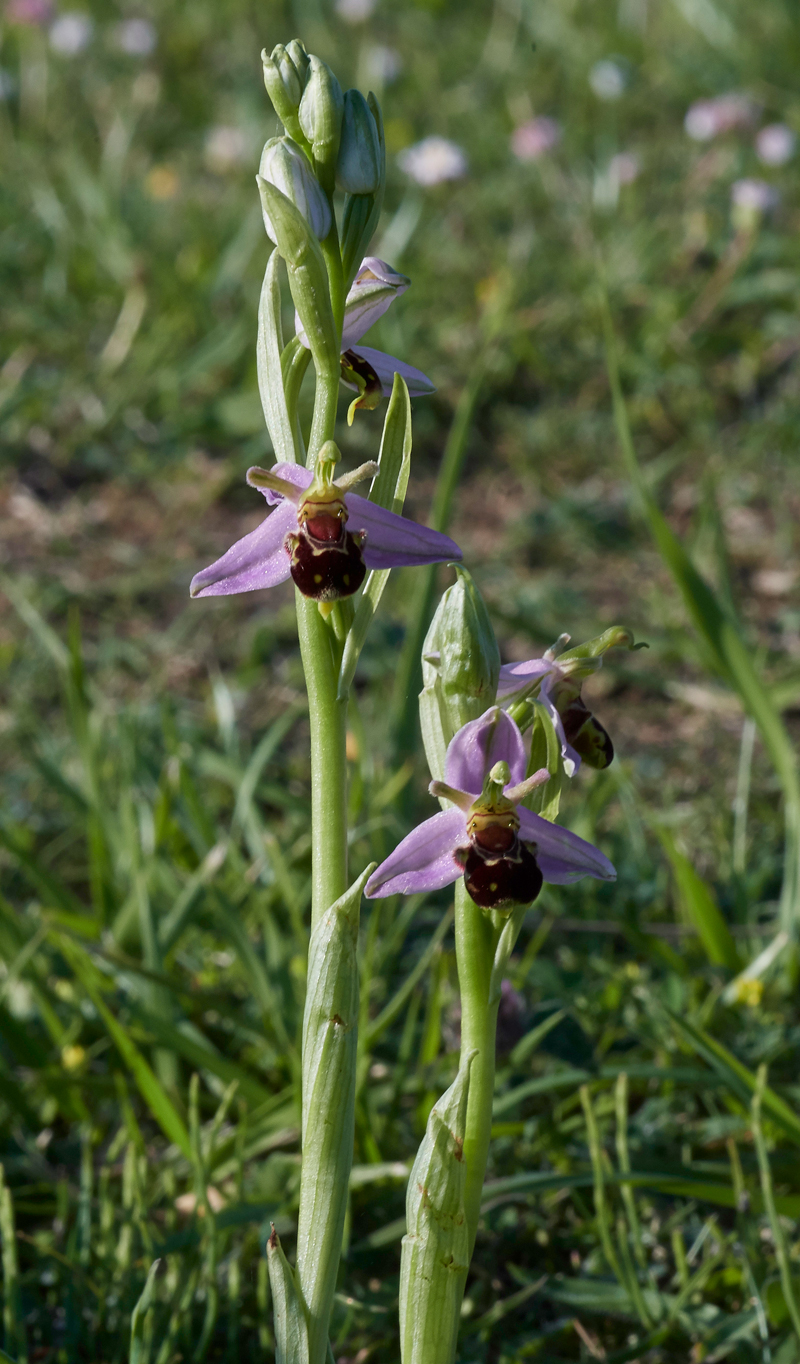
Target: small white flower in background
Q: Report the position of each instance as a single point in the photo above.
(226, 148)
(775, 144)
(433, 160)
(354, 11)
(383, 63)
(707, 118)
(136, 37)
(71, 33)
(536, 137)
(607, 79)
(624, 167)
(754, 196)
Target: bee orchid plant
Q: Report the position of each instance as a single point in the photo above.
(499, 740)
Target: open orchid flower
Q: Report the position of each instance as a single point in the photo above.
(370, 372)
(580, 733)
(321, 535)
(503, 850)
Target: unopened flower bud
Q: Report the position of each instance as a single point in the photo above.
(285, 166)
(321, 110)
(285, 77)
(358, 167)
(460, 668)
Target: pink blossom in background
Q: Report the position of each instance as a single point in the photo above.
(754, 195)
(34, 13)
(433, 160)
(532, 139)
(707, 118)
(624, 167)
(775, 144)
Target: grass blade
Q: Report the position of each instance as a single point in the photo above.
(721, 635)
(150, 1088)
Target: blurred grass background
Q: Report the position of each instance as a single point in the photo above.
(154, 849)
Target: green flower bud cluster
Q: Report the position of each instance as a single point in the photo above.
(332, 140)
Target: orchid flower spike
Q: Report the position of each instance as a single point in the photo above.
(321, 535)
(503, 850)
(556, 680)
(370, 372)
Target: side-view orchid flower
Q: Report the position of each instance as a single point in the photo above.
(321, 535)
(371, 372)
(559, 680)
(503, 850)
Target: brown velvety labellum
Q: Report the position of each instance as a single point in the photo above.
(323, 569)
(328, 529)
(501, 881)
(593, 744)
(586, 735)
(495, 838)
(363, 369)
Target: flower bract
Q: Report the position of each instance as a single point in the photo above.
(503, 850)
(321, 535)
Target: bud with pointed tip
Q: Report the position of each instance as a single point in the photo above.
(359, 164)
(285, 77)
(321, 111)
(285, 165)
(460, 668)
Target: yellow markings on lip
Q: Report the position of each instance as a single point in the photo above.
(322, 505)
(487, 819)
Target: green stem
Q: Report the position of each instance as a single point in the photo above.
(476, 944)
(323, 422)
(327, 717)
(324, 1176)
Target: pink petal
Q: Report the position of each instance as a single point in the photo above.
(424, 860)
(369, 296)
(292, 473)
(514, 677)
(393, 541)
(563, 857)
(385, 366)
(473, 752)
(258, 560)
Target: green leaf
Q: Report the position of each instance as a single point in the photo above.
(777, 1307)
(156, 1098)
(269, 348)
(700, 908)
(436, 1248)
(388, 490)
(330, 1044)
(140, 1346)
(291, 1326)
